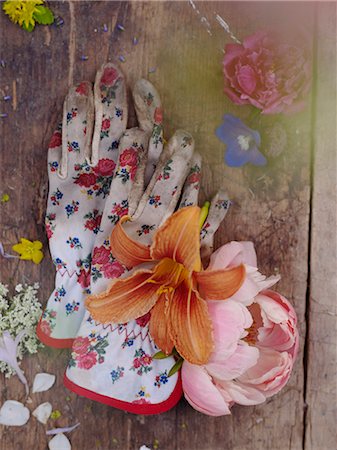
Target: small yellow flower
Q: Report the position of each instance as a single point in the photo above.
(29, 251)
(4, 198)
(55, 414)
(27, 12)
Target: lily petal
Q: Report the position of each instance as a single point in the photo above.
(190, 325)
(125, 300)
(179, 238)
(220, 284)
(127, 251)
(159, 326)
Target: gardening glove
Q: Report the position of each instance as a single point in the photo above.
(81, 164)
(113, 363)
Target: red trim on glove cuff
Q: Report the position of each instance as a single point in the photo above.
(53, 342)
(135, 408)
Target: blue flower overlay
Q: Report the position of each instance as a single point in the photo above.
(241, 141)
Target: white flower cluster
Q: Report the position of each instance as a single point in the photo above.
(21, 312)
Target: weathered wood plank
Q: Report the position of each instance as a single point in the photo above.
(321, 344)
(271, 205)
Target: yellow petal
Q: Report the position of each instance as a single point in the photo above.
(37, 245)
(179, 238)
(220, 284)
(125, 300)
(19, 248)
(37, 257)
(190, 325)
(159, 326)
(127, 251)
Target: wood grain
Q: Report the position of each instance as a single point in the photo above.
(271, 204)
(321, 342)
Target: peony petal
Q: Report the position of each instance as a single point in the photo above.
(59, 442)
(179, 238)
(220, 284)
(233, 254)
(42, 412)
(125, 300)
(159, 326)
(230, 320)
(190, 325)
(242, 394)
(43, 382)
(62, 430)
(244, 357)
(200, 392)
(13, 413)
(127, 251)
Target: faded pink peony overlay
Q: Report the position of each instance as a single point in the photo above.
(274, 77)
(255, 341)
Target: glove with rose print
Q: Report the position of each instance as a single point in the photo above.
(113, 359)
(81, 161)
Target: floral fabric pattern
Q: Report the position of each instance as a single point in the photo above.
(88, 351)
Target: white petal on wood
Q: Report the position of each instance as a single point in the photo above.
(43, 382)
(13, 413)
(59, 442)
(42, 412)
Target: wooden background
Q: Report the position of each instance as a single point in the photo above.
(288, 208)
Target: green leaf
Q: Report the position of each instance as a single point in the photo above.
(43, 15)
(176, 367)
(29, 28)
(160, 355)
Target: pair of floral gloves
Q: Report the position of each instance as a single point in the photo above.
(113, 193)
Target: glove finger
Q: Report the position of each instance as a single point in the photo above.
(78, 113)
(127, 184)
(217, 212)
(55, 152)
(150, 117)
(191, 188)
(161, 196)
(110, 112)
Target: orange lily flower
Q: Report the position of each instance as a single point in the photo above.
(173, 290)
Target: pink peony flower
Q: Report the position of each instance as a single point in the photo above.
(105, 167)
(87, 361)
(272, 76)
(101, 255)
(129, 157)
(270, 374)
(112, 270)
(277, 322)
(80, 345)
(235, 253)
(255, 346)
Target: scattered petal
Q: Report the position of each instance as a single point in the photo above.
(121, 58)
(42, 412)
(13, 413)
(62, 430)
(59, 442)
(43, 382)
(4, 254)
(120, 27)
(8, 354)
